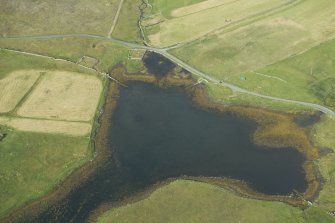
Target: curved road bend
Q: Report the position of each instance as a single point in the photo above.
(163, 52)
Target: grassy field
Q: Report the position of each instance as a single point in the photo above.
(14, 86)
(32, 164)
(73, 49)
(127, 26)
(20, 18)
(225, 95)
(307, 77)
(188, 201)
(183, 28)
(12, 62)
(63, 96)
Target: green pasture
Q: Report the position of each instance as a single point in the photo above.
(32, 164)
(10, 61)
(73, 48)
(222, 94)
(188, 201)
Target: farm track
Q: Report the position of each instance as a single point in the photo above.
(163, 52)
(115, 19)
(28, 93)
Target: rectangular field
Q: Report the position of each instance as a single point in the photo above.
(63, 96)
(47, 126)
(14, 86)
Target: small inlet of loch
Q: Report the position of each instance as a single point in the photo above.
(156, 134)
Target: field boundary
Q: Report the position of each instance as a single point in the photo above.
(67, 61)
(28, 93)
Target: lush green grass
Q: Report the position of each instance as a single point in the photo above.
(108, 53)
(33, 17)
(127, 25)
(317, 215)
(10, 62)
(308, 77)
(324, 133)
(32, 164)
(225, 95)
(188, 201)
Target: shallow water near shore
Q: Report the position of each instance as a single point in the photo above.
(156, 134)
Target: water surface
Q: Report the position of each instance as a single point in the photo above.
(158, 134)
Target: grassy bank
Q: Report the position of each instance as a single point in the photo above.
(10, 61)
(166, 7)
(32, 164)
(323, 134)
(225, 95)
(188, 201)
(106, 52)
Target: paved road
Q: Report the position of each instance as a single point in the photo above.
(163, 51)
(241, 90)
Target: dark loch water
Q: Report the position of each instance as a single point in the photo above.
(157, 64)
(157, 134)
(308, 120)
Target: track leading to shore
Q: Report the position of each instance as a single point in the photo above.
(164, 52)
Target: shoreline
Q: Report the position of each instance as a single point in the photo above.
(200, 98)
